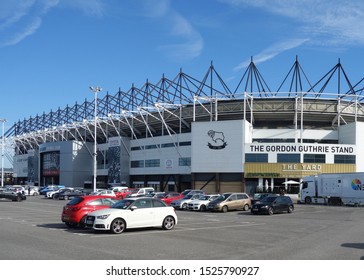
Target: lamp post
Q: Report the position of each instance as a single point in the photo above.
(2, 152)
(95, 90)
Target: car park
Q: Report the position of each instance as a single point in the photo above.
(131, 212)
(273, 204)
(11, 194)
(230, 201)
(181, 204)
(201, 203)
(75, 211)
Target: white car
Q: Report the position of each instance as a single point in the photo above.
(50, 194)
(201, 203)
(183, 202)
(131, 212)
(104, 192)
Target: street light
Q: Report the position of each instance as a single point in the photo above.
(2, 153)
(95, 90)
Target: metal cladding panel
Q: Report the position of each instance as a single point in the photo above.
(217, 146)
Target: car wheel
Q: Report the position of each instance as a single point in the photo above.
(117, 226)
(82, 223)
(246, 207)
(270, 211)
(184, 206)
(203, 207)
(168, 223)
(224, 209)
(308, 200)
(18, 198)
(290, 209)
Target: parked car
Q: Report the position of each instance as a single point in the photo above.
(31, 190)
(133, 213)
(118, 188)
(56, 194)
(201, 203)
(124, 193)
(230, 201)
(70, 194)
(43, 191)
(171, 196)
(259, 196)
(182, 203)
(141, 192)
(191, 191)
(17, 188)
(104, 192)
(13, 195)
(273, 204)
(75, 211)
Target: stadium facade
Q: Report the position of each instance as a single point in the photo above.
(188, 133)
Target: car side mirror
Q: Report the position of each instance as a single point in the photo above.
(133, 208)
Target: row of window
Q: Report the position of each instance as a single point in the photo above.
(164, 145)
(156, 162)
(307, 158)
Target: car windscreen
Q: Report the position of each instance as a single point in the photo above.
(122, 204)
(269, 199)
(75, 201)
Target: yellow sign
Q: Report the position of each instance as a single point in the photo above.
(293, 170)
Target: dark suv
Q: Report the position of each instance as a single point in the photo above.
(273, 204)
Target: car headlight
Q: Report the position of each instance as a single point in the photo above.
(103, 217)
(265, 206)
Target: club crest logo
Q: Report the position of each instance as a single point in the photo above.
(217, 141)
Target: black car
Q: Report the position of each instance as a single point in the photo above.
(273, 204)
(70, 193)
(12, 195)
(259, 196)
(60, 192)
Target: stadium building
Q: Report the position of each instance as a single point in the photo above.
(188, 133)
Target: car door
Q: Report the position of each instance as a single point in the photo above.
(141, 214)
(232, 202)
(279, 204)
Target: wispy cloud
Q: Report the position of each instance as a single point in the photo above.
(190, 43)
(325, 23)
(22, 18)
(272, 51)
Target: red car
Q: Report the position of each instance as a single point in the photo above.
(123, 193)
(74, 212)
(169, 197)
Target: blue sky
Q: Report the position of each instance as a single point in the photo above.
(51, 51)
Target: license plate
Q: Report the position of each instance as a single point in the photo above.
(254, 209)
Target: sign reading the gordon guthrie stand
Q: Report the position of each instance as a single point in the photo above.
(217, 146)
(301, 148)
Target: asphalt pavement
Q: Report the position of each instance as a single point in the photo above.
(32, 230)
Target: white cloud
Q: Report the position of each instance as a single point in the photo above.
(272, 51)
(191, 41)
(22, 18)
(325, 23)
